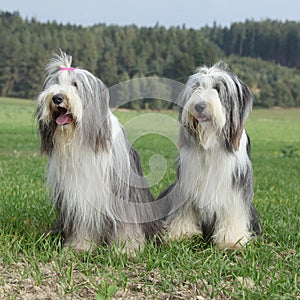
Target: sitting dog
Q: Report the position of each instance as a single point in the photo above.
(96, 180)
(214, 188)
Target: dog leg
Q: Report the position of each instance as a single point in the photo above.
(81, 245)
(183, 225)
(79, 242)
(232, 229)
(130, 236)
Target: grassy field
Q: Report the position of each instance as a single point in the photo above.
(33, 265)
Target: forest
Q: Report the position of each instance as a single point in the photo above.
(265, 54)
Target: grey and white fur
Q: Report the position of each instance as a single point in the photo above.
(213, 192)
(95, 177)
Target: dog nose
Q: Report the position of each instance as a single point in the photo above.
(58, 98)
(200, 107)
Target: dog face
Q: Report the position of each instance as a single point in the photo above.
(214, 106)
(73, 103)
(60, 100)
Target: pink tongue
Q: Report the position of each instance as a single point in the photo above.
(63, 119)
(202, 119)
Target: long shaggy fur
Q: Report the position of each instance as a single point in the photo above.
(214, 188)
(95, 176)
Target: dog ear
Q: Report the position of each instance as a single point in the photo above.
(182, 99)
(96, 126)
(103, 136)
(47, 134)
(184, 96)
(240, 112)
(46, 130)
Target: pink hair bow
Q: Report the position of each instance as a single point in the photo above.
(67, 69)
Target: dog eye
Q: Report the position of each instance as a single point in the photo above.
(74, 83)
(195, 85)
(217, 88)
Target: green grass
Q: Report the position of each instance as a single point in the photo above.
(33, 265)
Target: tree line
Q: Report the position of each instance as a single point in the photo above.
(119, 53)
(269, 40)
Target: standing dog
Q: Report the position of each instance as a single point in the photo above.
(95, 176)
(214, 188)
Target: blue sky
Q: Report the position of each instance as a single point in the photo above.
(192, 13)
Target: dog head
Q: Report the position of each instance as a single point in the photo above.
(72, 107)
(215, 105)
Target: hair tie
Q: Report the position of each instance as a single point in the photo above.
(67, 69)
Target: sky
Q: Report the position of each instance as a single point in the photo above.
(191, 13)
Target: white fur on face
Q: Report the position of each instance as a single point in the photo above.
(65, 87)
(208, 123)
(213, 112)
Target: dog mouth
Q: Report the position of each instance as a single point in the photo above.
(62, 116)
(194, 122)
(201, 119)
